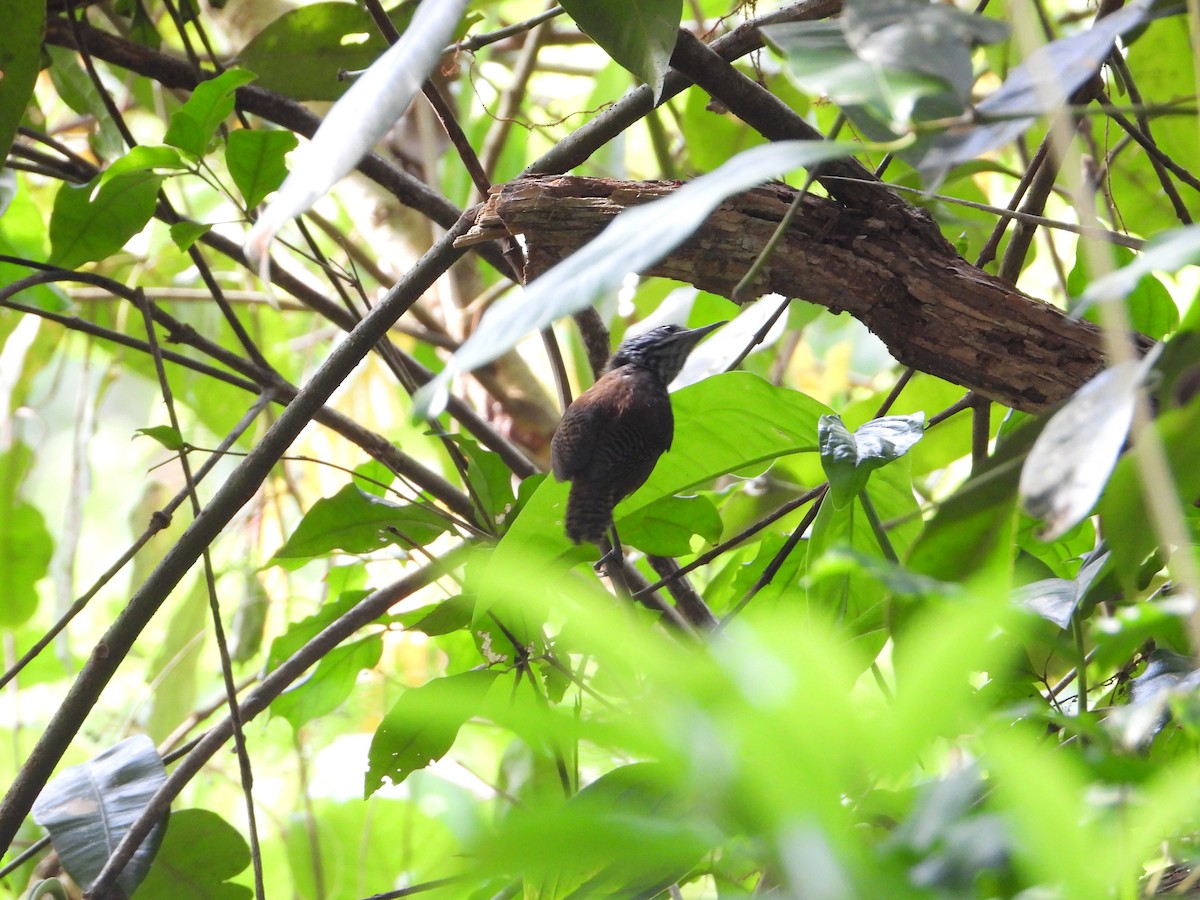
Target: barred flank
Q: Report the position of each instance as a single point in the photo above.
(589, 512)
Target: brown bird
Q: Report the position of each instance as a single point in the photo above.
(612, 435)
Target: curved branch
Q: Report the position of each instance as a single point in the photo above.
(888, 266)
(241, 485)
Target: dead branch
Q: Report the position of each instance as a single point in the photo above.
(888, 266)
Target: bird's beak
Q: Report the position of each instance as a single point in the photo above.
(693, 336)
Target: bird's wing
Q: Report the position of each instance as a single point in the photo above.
(574, 441)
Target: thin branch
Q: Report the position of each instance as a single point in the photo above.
(273, 684)
(283, 391)
(210, 583)
(238, 489)
(479, 41)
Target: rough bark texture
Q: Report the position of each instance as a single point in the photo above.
(888, 266)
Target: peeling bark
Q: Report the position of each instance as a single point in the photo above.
(887, 266)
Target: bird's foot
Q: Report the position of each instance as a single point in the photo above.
(613, 556)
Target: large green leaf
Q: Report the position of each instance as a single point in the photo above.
(356, 522)
(23, 235)
(25, 543)
(490, 480)
(92, 221)
(302, 53)
(88, 808)
(199, 855)
(627, 834)
(366, 849)
(20, 59)
(422, 726)
(639, 34)
(854, 596)
(1070, 462)
(144, 158)
(332, 681)
(1124, 509)
(974, 528)
(1057, 599)
(725, 424)
(1168, 251)
(886, 58)
(1149, 305)
(665, 527)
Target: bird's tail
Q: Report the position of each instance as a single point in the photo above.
(589, 512)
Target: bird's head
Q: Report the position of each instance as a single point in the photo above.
(662, 350)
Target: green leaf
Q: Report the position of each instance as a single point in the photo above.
(939, 655)
(301, 53)
(894, 61)
(195, 123)
(356, 522)
(422, 726)
(92, 221)
(175, 668)
(974, 528)
(144, 158)
(25, 543)
(20, 60)
(718, 430)
(627, 834)
(490, 480)
(633, 241)
(1124, 513)
(165, 435)
(915, 36)
(1169, 251)
(1070, 462)
(449, 615)
(854, 596)
(23, 235)
(88, 808)
(300, 633)
(639, 34)
(1039, 85)
(1149, 305)
(198, 856)
(184, 234)
(849, 459)
(256, 161)
(365, 846)
(374, 478)
(1056, 599)
(326, 688)
(665, 527)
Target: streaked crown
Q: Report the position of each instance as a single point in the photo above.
(662, 350)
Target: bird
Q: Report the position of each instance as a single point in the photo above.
(611, 436)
